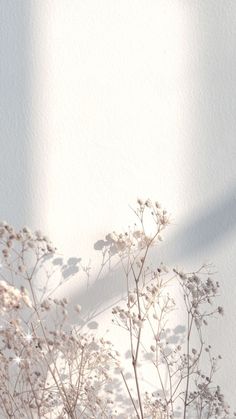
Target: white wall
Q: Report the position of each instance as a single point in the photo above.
(103, 101)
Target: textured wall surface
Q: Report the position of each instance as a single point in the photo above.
(103, 101)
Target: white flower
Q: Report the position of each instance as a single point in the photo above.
(78, 308)
(11, 298)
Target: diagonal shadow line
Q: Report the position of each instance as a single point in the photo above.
(210, 228)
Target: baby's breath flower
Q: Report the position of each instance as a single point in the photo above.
(78, 308)
(79, 380)
(26, 230)
(22, 268)
(140, 201)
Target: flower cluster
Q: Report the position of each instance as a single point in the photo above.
(199, 292)
(51, 369)
(47, 368)
(27, 238)
(61, 372)
(182, 385)
(12, 298)
(136, 239)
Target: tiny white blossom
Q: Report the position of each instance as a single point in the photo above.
(78, 308)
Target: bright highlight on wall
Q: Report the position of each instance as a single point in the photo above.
(104, 101)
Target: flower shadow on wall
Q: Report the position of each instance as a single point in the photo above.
(210, 227)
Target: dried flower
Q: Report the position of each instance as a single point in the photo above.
(78, 308)
(48, 368)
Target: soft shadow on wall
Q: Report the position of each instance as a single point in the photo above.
(15, 111)
(211, 100)
(211, 227)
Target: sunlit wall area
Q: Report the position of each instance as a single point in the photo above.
(104, 101)
(110, 113)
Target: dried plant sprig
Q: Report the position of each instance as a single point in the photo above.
(50, 369)
(146, 316)
(47, 369)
